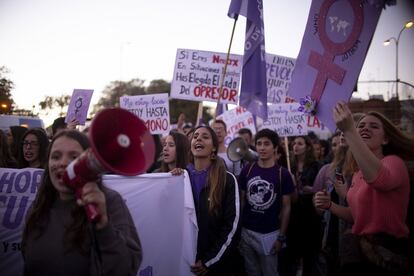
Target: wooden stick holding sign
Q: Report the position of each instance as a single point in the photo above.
(199, 113)
(225, 69)
(287, 153)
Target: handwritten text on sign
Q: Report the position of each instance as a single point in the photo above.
(286, 120)
(153, 109)
(278, 74)
(197, 76)
(17, 191)
(235, 120)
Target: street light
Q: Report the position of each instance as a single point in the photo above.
(387, 42)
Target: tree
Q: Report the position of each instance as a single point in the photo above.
(6, 85)
(117, 89)
(50, 102)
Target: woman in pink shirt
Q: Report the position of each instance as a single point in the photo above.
(379, 194)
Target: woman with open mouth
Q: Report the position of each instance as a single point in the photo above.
(33, 153)
(58, 238)
(217, 203)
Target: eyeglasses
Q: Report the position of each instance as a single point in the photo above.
(31, 143)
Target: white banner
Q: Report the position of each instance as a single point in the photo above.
(197, 76)
(161, 205)
(153, 109)
(286, 120)
(17, 191)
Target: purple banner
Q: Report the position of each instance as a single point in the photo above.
(333, 51)
(79, 105)
(253, 92)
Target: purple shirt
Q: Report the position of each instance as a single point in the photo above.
(198, 180)
(263, 197)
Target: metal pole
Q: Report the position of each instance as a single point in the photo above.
(396, 68)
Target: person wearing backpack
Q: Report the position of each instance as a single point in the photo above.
(265, 192)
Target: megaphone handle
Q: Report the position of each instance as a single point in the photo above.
(90, 209)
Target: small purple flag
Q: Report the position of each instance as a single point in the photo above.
(253, 92)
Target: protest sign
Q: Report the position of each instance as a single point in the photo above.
(279, 75)
(17, 191)
(197, 76)
(153, 109)
(285, 119)
(333, 49)
(79, 105)
(236, 119)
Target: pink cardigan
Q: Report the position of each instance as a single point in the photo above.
(381, 206)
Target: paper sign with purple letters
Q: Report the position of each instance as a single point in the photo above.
(334, 46)
(79, 105)
(153, 109)
(17, 192)
(286, 120)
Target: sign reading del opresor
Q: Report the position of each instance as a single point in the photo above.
(153, 109)
(197, 76)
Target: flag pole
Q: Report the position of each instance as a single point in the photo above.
(225, 68)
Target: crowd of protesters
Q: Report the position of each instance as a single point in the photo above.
(340, 206)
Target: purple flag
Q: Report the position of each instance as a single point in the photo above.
(334, 46)
(253, 92)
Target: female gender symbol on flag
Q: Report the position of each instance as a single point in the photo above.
(333, 50)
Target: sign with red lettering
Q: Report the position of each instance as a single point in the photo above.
(153, 109)
(236, 119)
(197, 76)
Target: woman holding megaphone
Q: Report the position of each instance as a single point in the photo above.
(58, 239)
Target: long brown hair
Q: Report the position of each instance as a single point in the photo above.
(309, 153)
(399, 143)
(216, 180)
(182, 149)
(76, 234)
(6, 158)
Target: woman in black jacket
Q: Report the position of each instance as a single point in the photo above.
(217, 202)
